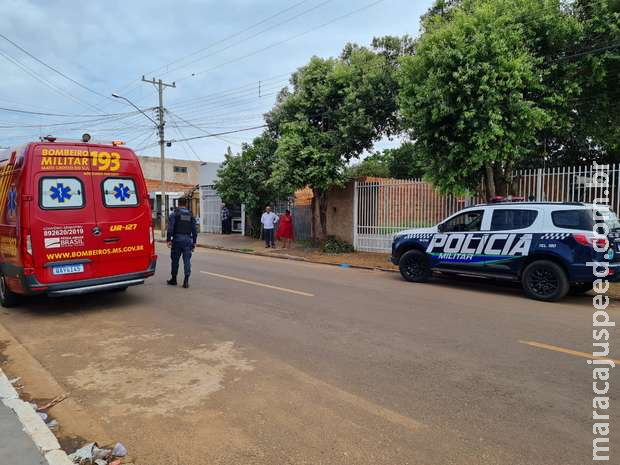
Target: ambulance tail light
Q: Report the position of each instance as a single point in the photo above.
(589, 241)
(27, 260)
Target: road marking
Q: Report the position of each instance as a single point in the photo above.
(575, 353)
(254, 283)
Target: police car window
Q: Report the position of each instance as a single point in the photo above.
(609, 217)
(504, 220)
(468, 221)
(573, 219)
(61, 193)
(119, 192)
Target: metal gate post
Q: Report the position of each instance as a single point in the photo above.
(355, 214)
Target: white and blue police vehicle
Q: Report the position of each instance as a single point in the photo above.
(548, 247)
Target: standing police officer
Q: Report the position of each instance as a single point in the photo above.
(182, 236)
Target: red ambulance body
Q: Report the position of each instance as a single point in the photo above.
(74, 218)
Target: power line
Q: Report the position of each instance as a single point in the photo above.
(263, 31)
(16, 110)
(279, 13)
(52, 68)
(34, 75)
(275, 44)
(219, 134)
(174, 115)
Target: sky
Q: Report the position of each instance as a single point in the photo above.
(228, 61)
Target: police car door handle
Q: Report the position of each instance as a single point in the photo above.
(110, 240)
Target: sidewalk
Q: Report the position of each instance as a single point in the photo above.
(238, 243)
(24, 436)
(15, 443)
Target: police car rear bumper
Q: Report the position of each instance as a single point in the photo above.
(585, 273)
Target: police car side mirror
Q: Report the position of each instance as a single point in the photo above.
(441, 227)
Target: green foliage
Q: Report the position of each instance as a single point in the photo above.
(373, 166)
(397, 163)
(334, 246)
(243, 179)
(500, 84)
(336, 110)
(473, 96)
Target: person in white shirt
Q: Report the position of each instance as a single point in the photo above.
(269, 220)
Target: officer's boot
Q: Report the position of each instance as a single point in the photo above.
(172, 281)
(186, 282)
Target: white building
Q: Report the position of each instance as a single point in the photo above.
(211, 203)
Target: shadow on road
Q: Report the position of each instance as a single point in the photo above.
(93, 303)
(494, 288)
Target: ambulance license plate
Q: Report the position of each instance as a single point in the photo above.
(67, 269)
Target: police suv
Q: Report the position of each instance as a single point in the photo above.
(548, 247)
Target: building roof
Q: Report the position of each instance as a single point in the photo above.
(154, 185)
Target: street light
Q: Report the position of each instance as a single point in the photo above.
(160, 130)
(136, 107)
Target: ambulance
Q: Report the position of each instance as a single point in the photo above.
(75, 218)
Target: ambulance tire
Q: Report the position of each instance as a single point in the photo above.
(414, 267)
(545, 280)
(8, 298)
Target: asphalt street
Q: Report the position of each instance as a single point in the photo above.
(268, 361)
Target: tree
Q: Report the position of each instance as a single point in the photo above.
(478, 94)
(404, 162)
(374, 166)
(336, 110)
(244, 178)
(398, 163)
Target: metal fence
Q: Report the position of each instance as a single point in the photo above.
(383, 207)
(210, 210)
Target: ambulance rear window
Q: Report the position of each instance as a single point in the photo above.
(119, 192)
(61, 193)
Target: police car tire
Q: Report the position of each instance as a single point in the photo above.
(545, 271)
(419, 260)
(8, 298)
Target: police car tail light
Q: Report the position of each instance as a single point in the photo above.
(589, 241)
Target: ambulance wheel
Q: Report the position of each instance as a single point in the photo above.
(8, 298)
(545, 280)
(414, 267)
(581, 288)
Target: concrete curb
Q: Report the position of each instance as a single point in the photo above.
(32, 424)
(287, 257)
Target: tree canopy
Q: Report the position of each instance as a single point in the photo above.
(336, 110)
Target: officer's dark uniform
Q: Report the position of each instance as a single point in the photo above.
(182, 233)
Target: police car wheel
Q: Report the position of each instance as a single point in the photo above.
(545, 280)
(8, 298)
(414, 267)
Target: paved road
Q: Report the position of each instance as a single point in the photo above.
(326, 366)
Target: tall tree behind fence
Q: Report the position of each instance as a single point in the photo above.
(383, 207)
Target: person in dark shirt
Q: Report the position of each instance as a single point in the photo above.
(181, 238)
(226, 220)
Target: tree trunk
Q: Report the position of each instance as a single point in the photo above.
(320, 197)
(489, 179)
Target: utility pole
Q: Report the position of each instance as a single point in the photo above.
(162, 144)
